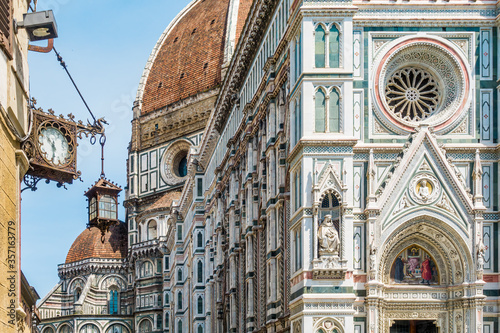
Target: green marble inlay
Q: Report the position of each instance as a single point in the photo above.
(322, 290)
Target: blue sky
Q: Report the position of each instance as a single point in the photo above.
(105, 45)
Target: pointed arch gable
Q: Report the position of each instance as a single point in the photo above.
(423, 144)
(328, 182)
(448, 204)
(108, 281)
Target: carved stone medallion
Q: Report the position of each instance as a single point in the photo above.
(424, 189)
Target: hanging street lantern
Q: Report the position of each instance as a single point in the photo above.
(103, 205)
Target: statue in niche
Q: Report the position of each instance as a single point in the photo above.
(329, 242)
(481, 248)
(424, 190)
(373, 255)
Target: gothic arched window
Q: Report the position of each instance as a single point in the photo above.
(145, 326)
(159, 321)
(200, 272)
(334, 47)
(199, 240)
(330, 205)
(146, 269)
(179, 326)
(66, 329)
(334, 111)
(152, 230)
(179, 275)
(319, 111)
(200, 305)
(200, 329)
(179, 300)
(78, 293)
(113, 301)
(319, 47)
(117, 328)
(89, 328)
(48, 330)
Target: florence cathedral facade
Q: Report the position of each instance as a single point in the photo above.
(304, 166)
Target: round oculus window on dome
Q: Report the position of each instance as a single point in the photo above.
(420, 81)
(180, 164)
(173, 168)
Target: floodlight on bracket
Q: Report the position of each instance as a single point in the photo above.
(39, 25)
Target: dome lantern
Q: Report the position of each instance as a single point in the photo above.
(103, 205)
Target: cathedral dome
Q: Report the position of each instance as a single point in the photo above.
(188, 57)
(88, 244)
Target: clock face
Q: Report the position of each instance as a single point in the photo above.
(54, 146)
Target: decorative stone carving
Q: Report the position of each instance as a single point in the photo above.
(404, 203)
(445, 203)
(412, 94)
(170, 161)
(424, 188)
(421, 80)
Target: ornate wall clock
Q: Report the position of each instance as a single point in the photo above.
(52, 145)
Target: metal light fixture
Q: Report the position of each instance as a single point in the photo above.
(38, 25)
(103, 205)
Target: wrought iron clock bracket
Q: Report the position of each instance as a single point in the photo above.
(89, 130)
(31, 183)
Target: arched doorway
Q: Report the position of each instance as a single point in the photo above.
(419, 262)
(414, 326)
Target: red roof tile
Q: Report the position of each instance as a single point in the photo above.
(88, 244)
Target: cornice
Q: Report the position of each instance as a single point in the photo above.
(306, 142)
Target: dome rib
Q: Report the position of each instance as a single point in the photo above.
(187, 58)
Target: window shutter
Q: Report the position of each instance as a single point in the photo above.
(5, 23)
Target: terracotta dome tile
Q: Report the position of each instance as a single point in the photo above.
(88, 244)
(190, 59)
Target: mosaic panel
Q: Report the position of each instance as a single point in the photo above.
(491, 217)
(327, 150)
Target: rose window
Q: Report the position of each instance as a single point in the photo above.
(412, 94)
(421, 79)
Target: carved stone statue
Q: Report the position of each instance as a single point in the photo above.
(373, 255)
(481, 248)
(424, 191)
(328, 237)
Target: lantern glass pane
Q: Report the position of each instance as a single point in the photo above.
(93, 208)
(107, 207)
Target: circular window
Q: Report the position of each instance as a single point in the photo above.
(180, 164)
(174, 163)
(412, 94)
(420, 81)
